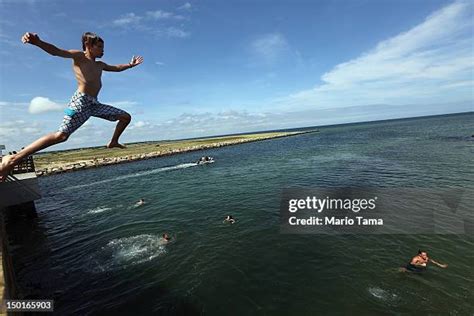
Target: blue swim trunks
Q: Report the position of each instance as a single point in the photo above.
(413, 268)
(83, 106)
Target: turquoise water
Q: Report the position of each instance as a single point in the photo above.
(94, 252)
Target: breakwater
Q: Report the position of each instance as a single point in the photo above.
(77, 162)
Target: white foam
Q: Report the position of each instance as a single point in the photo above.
(382, 294)
(99, 209)
(134, 175)
(123, 252)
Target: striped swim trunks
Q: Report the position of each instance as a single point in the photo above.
(82, 107)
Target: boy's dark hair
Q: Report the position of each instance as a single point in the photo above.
(90, 39)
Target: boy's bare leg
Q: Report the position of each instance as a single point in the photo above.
(123, 122)
(10, 161)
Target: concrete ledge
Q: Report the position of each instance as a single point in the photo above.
(23, 189)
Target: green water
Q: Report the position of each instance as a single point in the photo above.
(93, 252)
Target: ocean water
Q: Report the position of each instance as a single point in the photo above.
(94, 252)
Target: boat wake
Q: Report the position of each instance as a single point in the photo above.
(134, 175)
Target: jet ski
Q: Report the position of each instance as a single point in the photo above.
(205, 160)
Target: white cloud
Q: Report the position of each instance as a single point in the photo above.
(200, 124)
(187, 7)
(215, 123)
(176, 32)
(30, 130)
(270, 47)
(41, 105)
(159, 63)
(407, 68)
(127, 19)
(19, 130)
(228, 122)
(147, 23)
(163, 15)
(6, 131)
(123, 104)
(466, 83)
(139, 124)
(8, 105)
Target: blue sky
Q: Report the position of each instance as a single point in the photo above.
(218, 67)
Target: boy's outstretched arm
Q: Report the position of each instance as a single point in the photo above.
(33, 38)
(136, 60)
(439, 264)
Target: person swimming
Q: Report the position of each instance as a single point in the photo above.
(229, 219)
(140, 202)
(419, 263)
(165, 238)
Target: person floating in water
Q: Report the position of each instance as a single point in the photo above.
(165, 238)
(420, 262)
(229, 219)
(140, 202)
(84, 102)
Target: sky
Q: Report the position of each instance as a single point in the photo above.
(222, 67)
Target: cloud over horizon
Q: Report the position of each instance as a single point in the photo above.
(41, 105)
(431, 61)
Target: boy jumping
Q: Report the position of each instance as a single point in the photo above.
(84, 103)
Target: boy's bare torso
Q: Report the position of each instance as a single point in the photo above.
(88, 74)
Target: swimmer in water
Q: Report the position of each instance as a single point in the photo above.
(420, 262)
(140, 202)
(229, 219)
(165, 238)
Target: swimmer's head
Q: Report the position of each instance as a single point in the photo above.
(166, 237)
(229, 217)
(423, 254)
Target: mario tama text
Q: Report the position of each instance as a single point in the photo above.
(332, 211)
(334, 221)
(376, 211)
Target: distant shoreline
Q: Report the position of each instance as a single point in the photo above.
(81, 159)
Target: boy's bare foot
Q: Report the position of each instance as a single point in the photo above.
(6, 166)
(112, 145)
